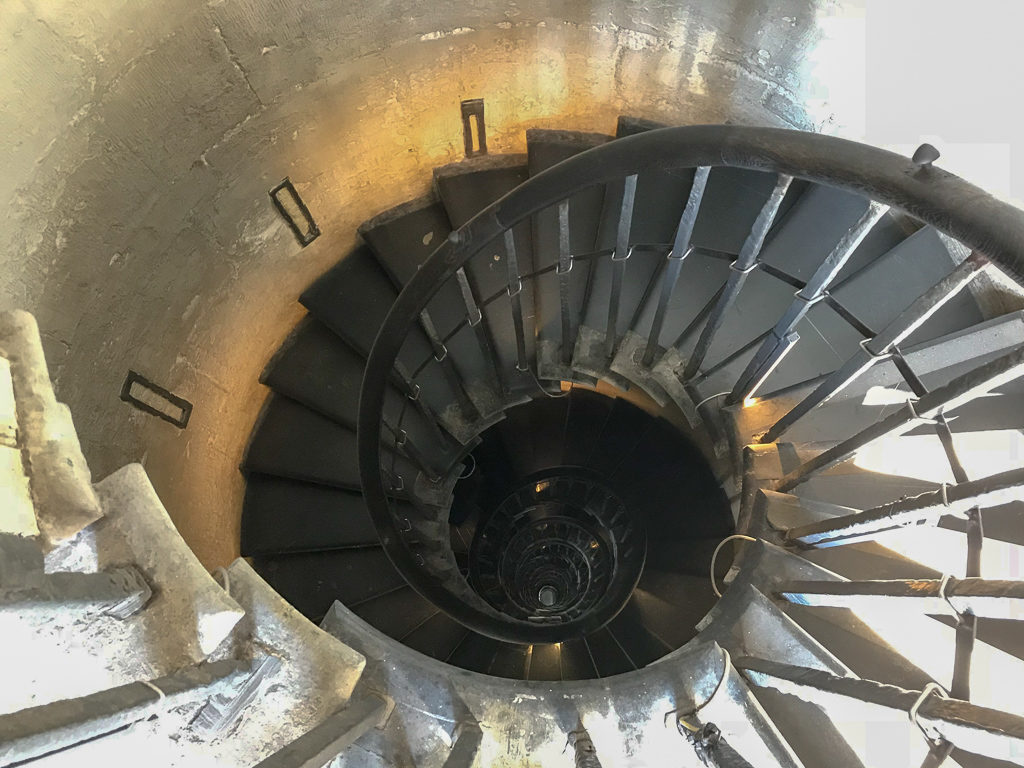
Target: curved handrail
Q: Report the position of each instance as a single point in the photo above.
(936, 197)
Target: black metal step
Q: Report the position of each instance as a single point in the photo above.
(312, 581)
(576, 661)
(544, 662)
(467, 187)
(672, 603)
(731, 202)
(475, 652)
(659, 200)
(631, 630)
(437, 637)
(402, 239)
(352, 298)
(292, 441)
(315, 367)
(883, 289)
(608, 654)
(280, 515)
(395, 613)
(798, 245)
(510, 661)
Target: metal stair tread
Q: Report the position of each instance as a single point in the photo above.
(281, 515)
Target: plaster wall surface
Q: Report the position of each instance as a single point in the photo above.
(139, 142)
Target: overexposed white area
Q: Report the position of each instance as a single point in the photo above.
(896, 73)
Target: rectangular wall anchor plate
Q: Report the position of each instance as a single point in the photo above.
(473, 123)
(154, 399)
(295, 213)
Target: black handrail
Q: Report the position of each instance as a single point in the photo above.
(936, 197)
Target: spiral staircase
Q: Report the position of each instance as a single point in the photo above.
(647, 449)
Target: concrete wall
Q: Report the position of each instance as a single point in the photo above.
(139, 141)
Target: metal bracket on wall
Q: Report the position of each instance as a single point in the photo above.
(473, 116)
(292, 208)
(154, 399)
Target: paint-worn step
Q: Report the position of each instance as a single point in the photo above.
(312, 581)
(315, 367)
(289, 440)
(395, 613)
(281, 515)
(352, 298)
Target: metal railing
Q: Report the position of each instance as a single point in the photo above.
(886, 180)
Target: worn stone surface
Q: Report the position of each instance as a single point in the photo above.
(527, 723)
(59, 478)
(317, 675)
(187, 617)
(186, 596)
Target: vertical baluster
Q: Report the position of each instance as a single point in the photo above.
(966, 623)
(451, 376)
(563, 270)
(619, 258)
(515, 289)
(680, 250)
(745, 262)
(775, 347)
(881, 345)
(481, 330)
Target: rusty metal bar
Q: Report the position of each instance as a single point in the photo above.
(774, 349)
(680, 250)
(975, 729)
(745, 262)
(915, 510)
(957, 392)
(583, 748)
(987, 598)
(619, 258)
(37, 731)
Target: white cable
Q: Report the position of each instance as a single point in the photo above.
(934, 737)
(223, 573)
(943, 585)
(712, 397)
(714, 557)
(155, 690)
